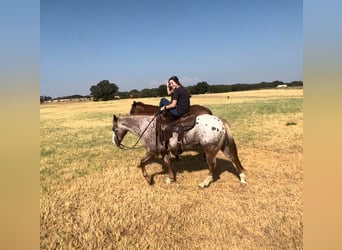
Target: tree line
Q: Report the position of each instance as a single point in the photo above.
(105, 90)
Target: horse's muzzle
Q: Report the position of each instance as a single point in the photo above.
(115, 139)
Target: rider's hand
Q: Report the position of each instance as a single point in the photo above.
(163, 108)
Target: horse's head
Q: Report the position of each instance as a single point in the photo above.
(119, 131)
(133, 108)
(140, 108)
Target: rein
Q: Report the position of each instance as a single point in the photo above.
(122, 146)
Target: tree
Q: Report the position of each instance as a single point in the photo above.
(134, 93)
(295, 83)
(104, 90)
(149, 93)
(219, 88)
(45, 98)
(162, 90)
(201, 88)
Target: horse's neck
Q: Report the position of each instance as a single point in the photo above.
(153, 106)
(148, 108)
(136, 124)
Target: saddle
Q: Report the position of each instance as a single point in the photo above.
(166, 125)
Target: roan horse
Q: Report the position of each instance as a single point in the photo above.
(210, 132)
(140, 108)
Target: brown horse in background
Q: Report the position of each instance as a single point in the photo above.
(140, 108)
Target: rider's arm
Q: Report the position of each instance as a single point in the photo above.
(173, 104)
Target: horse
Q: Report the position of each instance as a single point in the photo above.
(209, 131)
(140, 108)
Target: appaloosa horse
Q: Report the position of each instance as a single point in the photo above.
(140, 108)
(209, 131)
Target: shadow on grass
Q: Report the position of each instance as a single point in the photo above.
(197, 162)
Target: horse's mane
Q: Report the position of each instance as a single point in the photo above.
(144, 104)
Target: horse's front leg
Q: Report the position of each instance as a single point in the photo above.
(167, 161)
(142, 165)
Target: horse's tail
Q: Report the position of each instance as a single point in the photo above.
(230, 150)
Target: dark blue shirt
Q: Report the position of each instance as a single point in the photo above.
(183, 100)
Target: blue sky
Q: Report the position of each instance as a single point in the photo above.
(140, 44)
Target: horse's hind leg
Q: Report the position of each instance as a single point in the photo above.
(211, 160)
(167, 161)
(230, 151)
(240, 169)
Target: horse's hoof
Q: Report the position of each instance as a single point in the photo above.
(243, 178)
(169, 180)
(204, 185)
(201, 185)
(149, 180)
(206, 182)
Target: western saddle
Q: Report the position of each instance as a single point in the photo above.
(166, 124)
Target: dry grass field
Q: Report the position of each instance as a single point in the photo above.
(93, 196)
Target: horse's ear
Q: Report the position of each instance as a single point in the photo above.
(115, 118)
(134, 103)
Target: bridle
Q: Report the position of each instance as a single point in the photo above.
(122, 146)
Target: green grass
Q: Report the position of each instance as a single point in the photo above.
(237, 112)
(249, 120)
(77, 145)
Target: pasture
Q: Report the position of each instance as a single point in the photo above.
(93, 196)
